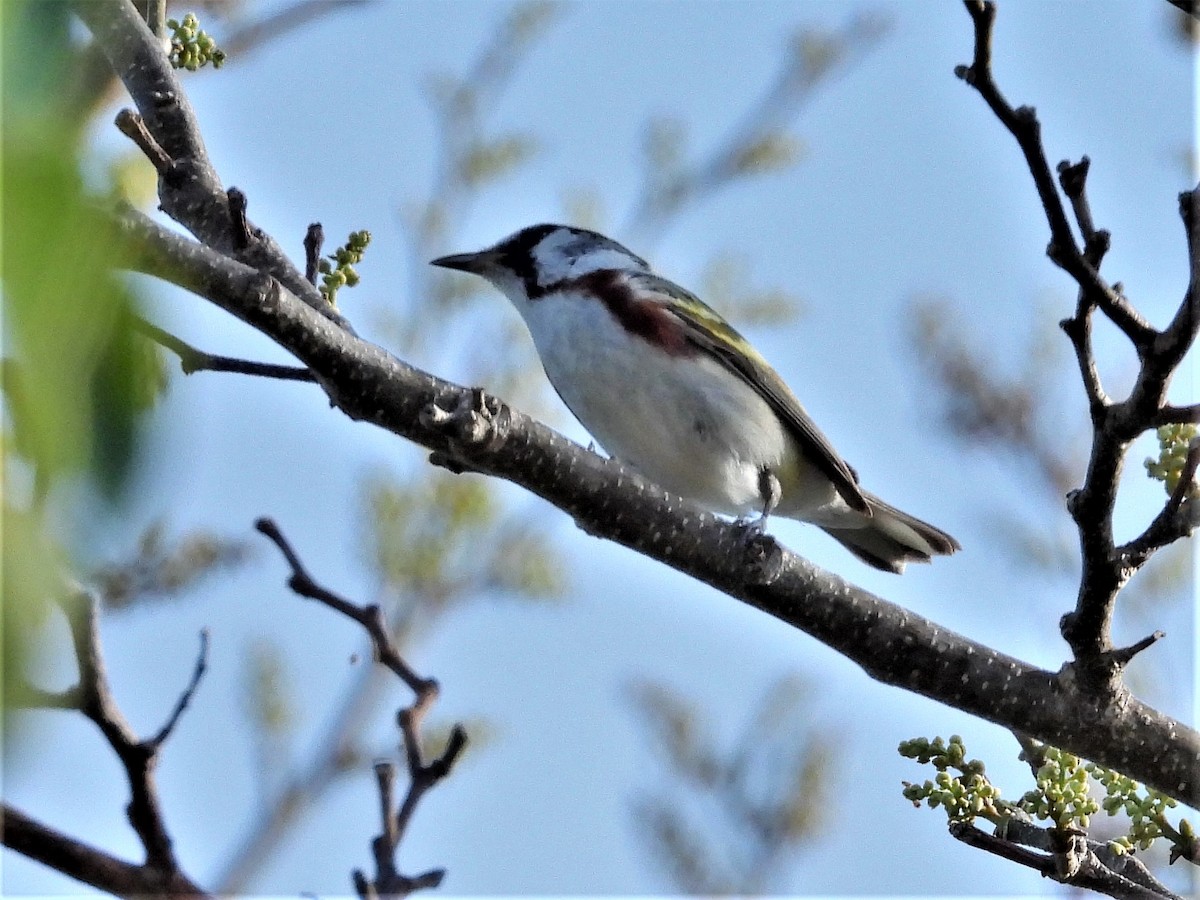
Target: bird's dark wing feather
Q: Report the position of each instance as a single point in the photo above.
(711, 334)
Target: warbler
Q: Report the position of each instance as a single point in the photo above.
(667, 386)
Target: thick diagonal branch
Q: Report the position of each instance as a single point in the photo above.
(890, 643)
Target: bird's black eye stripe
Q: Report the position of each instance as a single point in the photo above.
(516, 255)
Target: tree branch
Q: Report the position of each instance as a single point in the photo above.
(1088, 871)
(138, 757)
(160, 874)
(369, 617)
(1106, 569)
(1023, 124)
(604, 498)
(156, 742)
(189, 189)
(87, 864)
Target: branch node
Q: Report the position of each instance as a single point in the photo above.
(243, 235)
(478, 422)
(1073, 176)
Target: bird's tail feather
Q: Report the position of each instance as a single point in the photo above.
(891, 538)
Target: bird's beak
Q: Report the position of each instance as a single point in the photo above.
(475, 263)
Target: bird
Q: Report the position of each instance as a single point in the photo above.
(667, 386)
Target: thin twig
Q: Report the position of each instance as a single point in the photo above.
(1123, 655)
(192, 359)
(134, 127)
(1073, 178)
(239, 226)
(185, 698)
(314, 237)
(369, 617)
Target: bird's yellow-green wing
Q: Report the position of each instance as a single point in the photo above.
(712, 335)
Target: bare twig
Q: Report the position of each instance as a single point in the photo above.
(133, 127)
(136, 756)
(388, 882)
(1024, 126)
(1073, 178)
(314, 237)
(239, 227)
(1123, 655)
(1106, 568)
(369, 617)
(192, 359)
(185, 698)
(161, 873)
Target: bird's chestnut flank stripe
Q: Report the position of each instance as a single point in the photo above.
(641, 318)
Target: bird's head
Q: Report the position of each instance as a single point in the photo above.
(528, 264)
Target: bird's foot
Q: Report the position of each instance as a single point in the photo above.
(761, 554)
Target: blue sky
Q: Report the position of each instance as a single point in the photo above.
(909, 188)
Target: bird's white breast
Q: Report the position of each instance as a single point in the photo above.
(685, 422)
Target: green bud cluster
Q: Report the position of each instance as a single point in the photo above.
(963, 796)
(1147, 811)
(1062, 796)
(338, 267)
(1173, 442)
(191, 46)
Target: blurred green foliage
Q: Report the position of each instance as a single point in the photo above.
(735, 815)
(162, 568)
(445, 538)
(74, 380)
